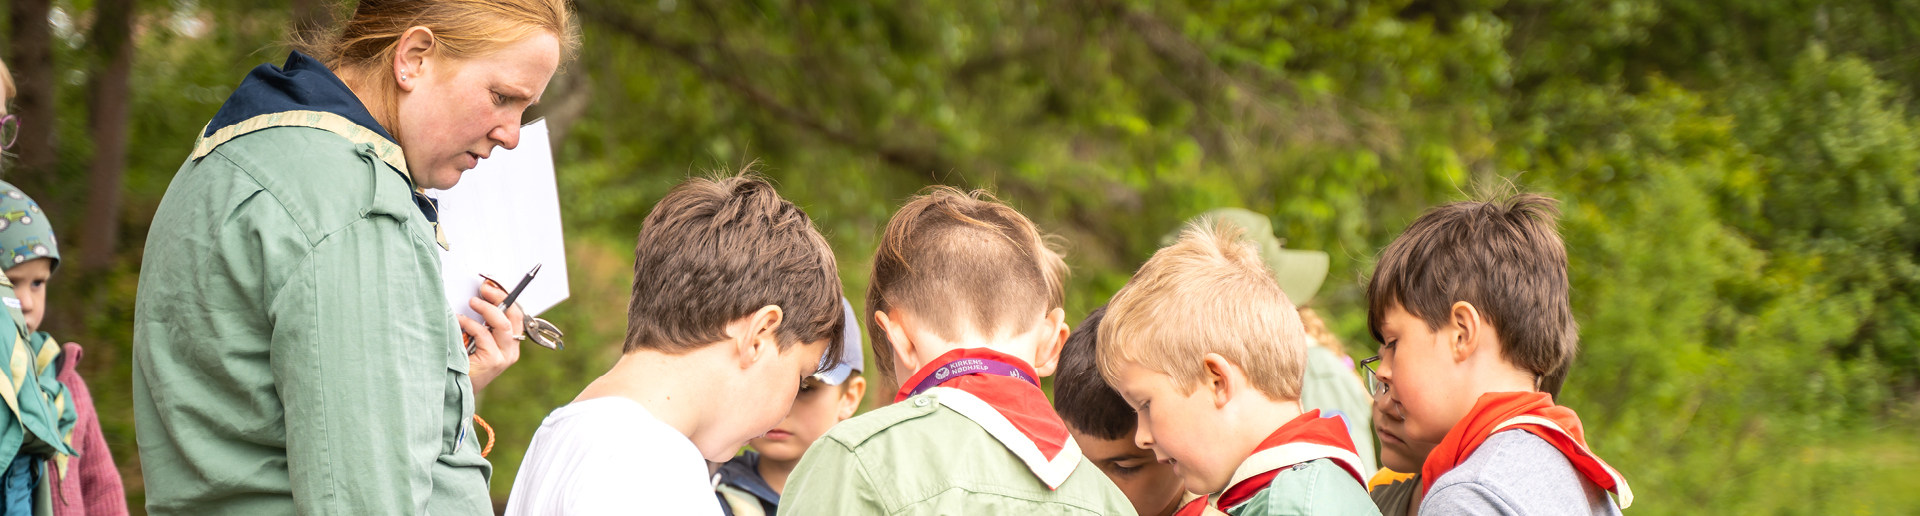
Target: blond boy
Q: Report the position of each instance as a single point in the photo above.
(1209, 352)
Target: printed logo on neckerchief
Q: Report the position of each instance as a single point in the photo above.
(967, 366)
(1006, 404)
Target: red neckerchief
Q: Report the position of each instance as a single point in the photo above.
(1197, 507)
(1305, 438)
(1535, 413)
(1023, 404)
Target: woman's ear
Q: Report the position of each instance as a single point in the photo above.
(851, 393)
(1222, 381)
(1465, 322)
(903, 351)
(410, 57)
(760, 338)
(1047, 358)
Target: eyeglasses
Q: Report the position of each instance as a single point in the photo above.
(1374, 385)
(9, 129)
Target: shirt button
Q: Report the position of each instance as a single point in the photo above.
(920, 402)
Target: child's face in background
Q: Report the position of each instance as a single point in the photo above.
(1153, 487)
(30, 285)
(1183, 430)
(1396, 452)
(816, 409)
(1428, 387)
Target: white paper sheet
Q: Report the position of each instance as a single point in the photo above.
(501, 220)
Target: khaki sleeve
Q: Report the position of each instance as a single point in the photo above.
(355, 378)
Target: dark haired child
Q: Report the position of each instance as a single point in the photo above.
(1103, 424)
(967, 301)
(717, 346)
(1470, 307)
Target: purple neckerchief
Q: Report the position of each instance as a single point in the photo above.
(967, 366)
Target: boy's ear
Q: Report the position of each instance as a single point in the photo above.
(1222, 380)
(760, 336)
(903, 352)
(1465, 322)
(851, 393)
(1052, 341)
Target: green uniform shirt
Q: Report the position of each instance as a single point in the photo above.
(292, 351)
(922, 457)
(1312, 488)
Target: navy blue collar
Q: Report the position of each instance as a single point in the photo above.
(302, 84)
(743, 472)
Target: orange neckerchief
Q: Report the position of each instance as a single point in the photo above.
(1535, 413)
(1305, 438)
(1023, 404)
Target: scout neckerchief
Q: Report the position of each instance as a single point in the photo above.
(1306, 438)
(40, 406)
(1535, 413)
(1002, 394)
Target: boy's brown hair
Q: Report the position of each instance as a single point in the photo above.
(1504, 257)
(1081, 397)
(1207, 293)
(961, 260)
(715, 250)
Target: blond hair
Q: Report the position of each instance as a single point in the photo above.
(1207, 293)
(362, 50)
(6, 81)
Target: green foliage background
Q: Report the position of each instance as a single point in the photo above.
(1742, 208)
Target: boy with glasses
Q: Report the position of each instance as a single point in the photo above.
(1470, 307)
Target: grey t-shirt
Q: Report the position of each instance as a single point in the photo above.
(1515, 473)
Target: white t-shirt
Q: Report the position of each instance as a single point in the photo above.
(610, 456)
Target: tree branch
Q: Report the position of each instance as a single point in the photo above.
(913, 161)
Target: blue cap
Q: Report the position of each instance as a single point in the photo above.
(851, 358)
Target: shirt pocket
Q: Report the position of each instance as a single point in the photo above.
(457, 438)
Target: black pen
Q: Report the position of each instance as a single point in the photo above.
(511, 296)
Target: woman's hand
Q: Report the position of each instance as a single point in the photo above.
(497, 342)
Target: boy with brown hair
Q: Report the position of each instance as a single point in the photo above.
(967, 298)
(735, 300)
(1206, 348)
(1470, 307)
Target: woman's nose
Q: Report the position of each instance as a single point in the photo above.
(507, 135)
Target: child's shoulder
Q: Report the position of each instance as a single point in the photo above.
(1313, 487)
(855, 432)
(1515, 472)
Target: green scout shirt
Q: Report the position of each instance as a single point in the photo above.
(1317, 487)
(921, 457)
(292, 351)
